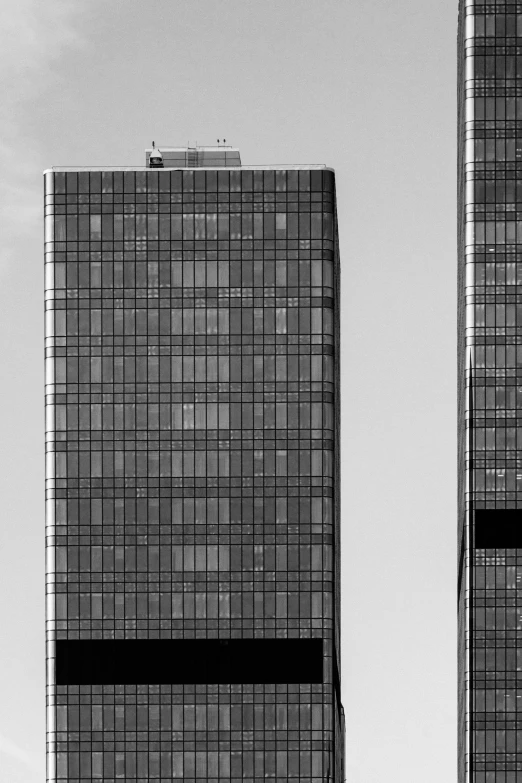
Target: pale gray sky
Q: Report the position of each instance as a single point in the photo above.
(368, 88)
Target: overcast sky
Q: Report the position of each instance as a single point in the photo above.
(369, 88)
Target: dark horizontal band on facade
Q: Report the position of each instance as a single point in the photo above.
(188, 661)
(498, 528)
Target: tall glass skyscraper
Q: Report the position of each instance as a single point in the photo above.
(490, 394)
(192, 343)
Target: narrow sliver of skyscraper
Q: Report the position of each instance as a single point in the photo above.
(490, 392)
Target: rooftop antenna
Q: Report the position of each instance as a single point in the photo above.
(155, 158)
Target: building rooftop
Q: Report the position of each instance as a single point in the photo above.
(193, 158)
(197, 157)
(276, 167)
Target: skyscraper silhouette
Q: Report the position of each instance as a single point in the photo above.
(193, 521)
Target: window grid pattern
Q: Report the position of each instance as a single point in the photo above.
(191, 446)
(490, 399)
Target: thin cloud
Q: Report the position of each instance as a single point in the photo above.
(34, 36)
(14, 751)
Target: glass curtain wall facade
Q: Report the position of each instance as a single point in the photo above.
(192, 405)
(490, 392)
